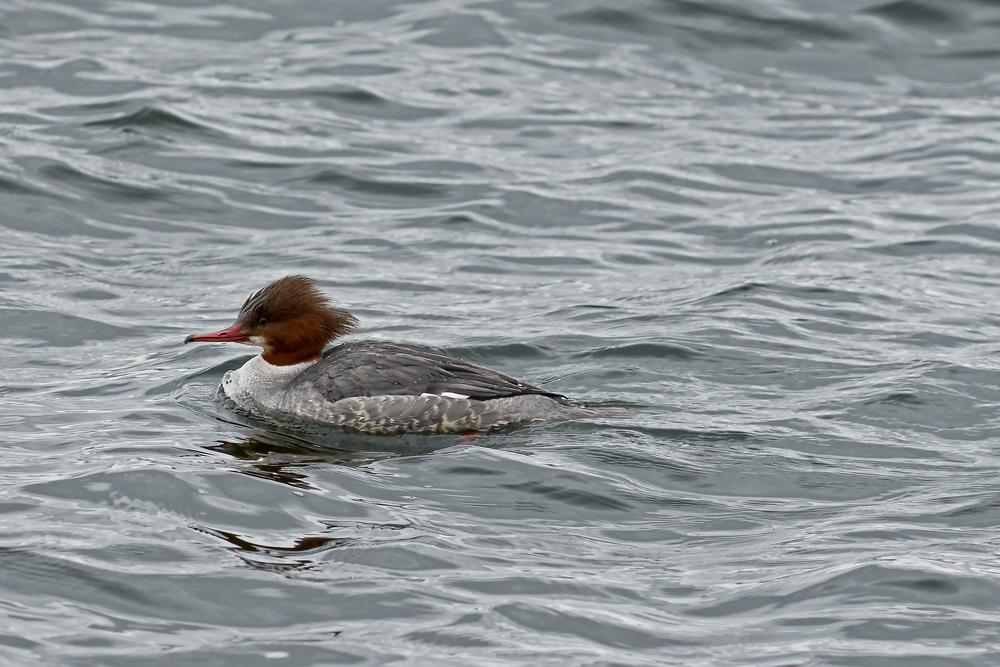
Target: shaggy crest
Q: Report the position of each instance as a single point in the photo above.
(292, 320)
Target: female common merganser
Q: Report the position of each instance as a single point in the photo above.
(370, 386)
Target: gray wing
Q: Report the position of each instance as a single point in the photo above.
(375, 368)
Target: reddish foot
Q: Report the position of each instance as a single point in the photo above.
(469, 438)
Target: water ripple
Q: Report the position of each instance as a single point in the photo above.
(768, 228)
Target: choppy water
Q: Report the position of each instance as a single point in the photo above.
(769, 227)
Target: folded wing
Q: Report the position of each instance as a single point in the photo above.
(374, 368)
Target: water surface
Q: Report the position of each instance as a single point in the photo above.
(767, 227)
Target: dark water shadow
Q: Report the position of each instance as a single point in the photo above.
(276, 450)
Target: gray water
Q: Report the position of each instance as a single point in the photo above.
(769, 227)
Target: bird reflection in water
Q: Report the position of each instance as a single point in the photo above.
(286, 459)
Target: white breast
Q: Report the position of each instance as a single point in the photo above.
(263, 386)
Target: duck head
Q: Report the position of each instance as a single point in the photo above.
(290, 318)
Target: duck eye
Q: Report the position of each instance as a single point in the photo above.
(262, 320)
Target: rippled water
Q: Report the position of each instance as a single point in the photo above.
(769, 227)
